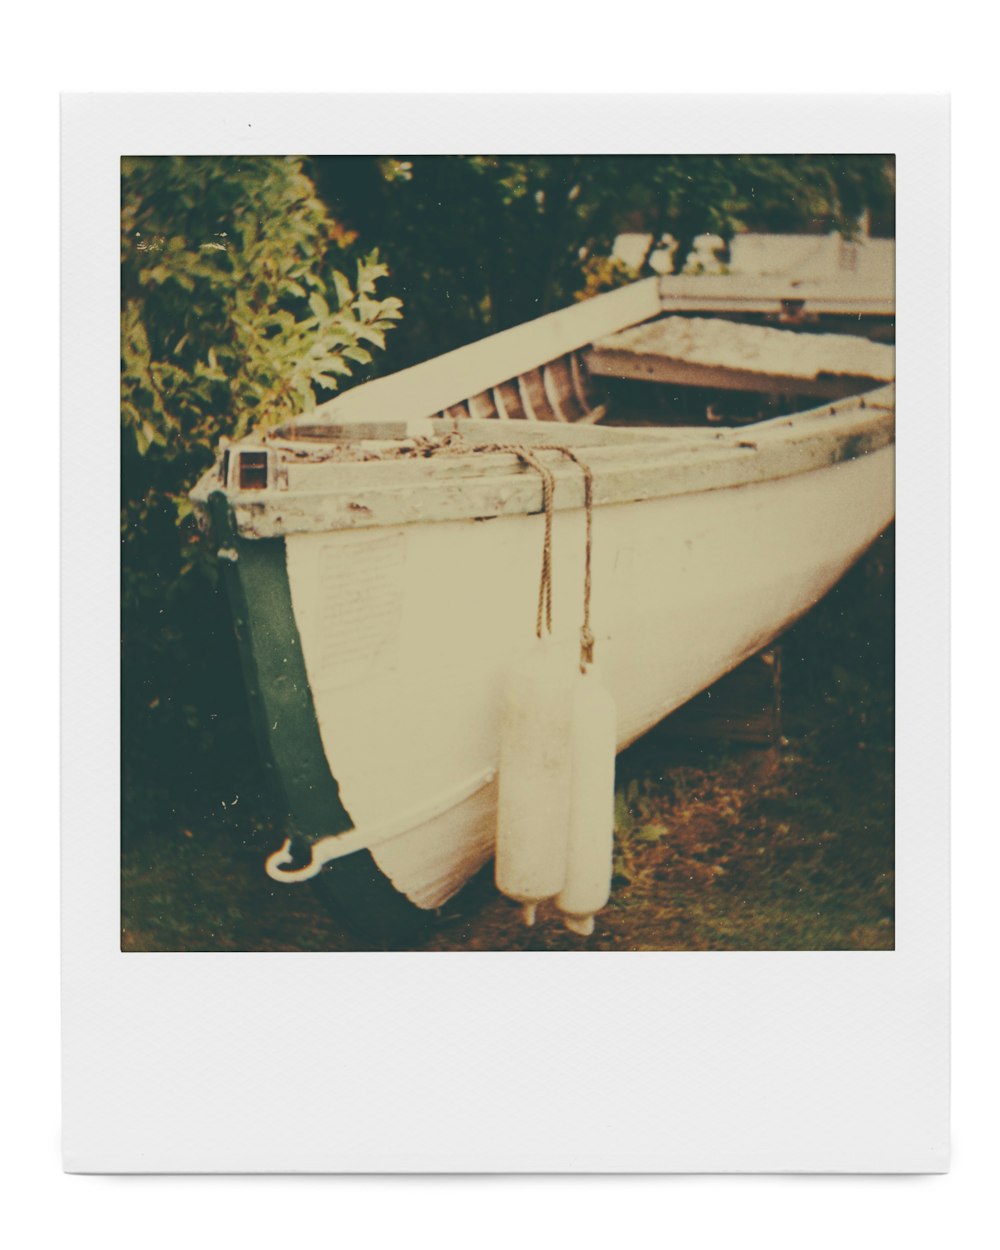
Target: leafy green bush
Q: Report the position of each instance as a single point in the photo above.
(237, 312)
(481, 243)
(226, 279)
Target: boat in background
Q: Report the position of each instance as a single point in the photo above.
(383, 551)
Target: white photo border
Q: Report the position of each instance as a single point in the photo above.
(500, 1062)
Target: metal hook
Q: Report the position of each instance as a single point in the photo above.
(333, 847)
(272, 865)
(322, 852)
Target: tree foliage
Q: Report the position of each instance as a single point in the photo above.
(227, 284)
(244, 302)
(480, 243)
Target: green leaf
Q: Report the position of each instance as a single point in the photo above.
(319, 306)
(343, 288)
(142, 442)
(371, 335)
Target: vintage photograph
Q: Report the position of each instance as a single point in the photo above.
(508, 553)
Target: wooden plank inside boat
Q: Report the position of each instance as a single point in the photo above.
(627, 366)
(508, 396)
(789, 299)
(536, 399)
(559, 387)
(726, 355)
(482, 406)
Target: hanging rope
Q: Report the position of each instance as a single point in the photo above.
(545, 586)
(586, 636)
(454, 443)
(543, 620)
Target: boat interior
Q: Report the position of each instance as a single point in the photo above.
(692, 370)
(750, 371)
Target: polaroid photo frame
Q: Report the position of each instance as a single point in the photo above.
(493, 1061)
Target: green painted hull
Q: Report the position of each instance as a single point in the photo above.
(284, 722)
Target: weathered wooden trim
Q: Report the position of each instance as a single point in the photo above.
(648, 367)
(510, 394)
(739, 293)
(551, 384)
(524, 395)
(534, 389)
(628, 465)
(499, 405)
(481, 407)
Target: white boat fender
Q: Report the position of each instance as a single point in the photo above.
(536, 760)
(590, 848)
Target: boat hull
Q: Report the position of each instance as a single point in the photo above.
(407, 631)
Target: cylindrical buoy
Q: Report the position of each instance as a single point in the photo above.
(536, 749)
(592, 806)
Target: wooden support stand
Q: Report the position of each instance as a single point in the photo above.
(743, 706)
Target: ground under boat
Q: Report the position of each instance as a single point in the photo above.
(382, 554)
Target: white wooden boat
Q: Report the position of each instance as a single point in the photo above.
(383, 555)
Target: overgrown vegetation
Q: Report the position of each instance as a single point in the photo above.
(244, 302)
(481, 243)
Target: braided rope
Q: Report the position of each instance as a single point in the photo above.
(586, 635)
(544, 617)
(454, 443)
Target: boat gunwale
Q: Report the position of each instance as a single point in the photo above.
(467, 484)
